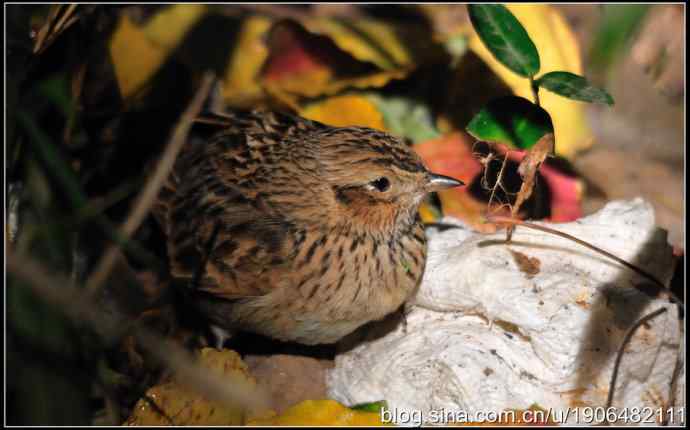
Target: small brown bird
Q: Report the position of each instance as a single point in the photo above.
(312, 230)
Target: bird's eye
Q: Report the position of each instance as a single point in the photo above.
(381, 184)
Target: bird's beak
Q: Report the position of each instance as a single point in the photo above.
(440, 182)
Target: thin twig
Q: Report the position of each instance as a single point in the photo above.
(512, 221)
(54, 25)
(145, 200)
(157, 409)
(499, 179)
(211, 121)
(621, 350)
(68, 13)
(56, 289)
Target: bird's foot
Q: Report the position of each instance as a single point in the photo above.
(221, 335)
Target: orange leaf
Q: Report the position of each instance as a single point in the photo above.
(451, 155)
(345, 110)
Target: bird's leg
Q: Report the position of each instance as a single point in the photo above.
(405, 309)
(220, 336)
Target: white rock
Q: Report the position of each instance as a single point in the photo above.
(485, 335)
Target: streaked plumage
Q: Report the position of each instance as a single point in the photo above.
(311, 243)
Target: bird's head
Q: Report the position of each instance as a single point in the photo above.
(377, 180)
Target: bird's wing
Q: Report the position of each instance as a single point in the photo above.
(221, 236)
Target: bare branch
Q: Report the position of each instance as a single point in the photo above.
(145, 200)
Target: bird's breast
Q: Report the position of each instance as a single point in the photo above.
(358, 276)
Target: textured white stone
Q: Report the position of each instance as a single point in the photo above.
(483, 335)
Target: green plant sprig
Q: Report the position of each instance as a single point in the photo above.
(510, 44)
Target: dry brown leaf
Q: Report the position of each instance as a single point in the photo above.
(529, 167)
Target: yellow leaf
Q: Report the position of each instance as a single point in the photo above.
(289, 90)
(558, 50)
(241, 86)
(138, 52)
(167, 28)
(183, 406)
(345, 110)
(366, 40)
(320, 413)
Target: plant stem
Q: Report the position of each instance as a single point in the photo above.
(621, 350)
(535, 90)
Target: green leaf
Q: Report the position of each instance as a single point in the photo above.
(56, 90)
(574, 87)
(370, 406)
(505, 37)
(513, 121)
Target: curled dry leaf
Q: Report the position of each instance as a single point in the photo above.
(529, 167)
(565, 190)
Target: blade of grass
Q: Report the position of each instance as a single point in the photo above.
(70, 187)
